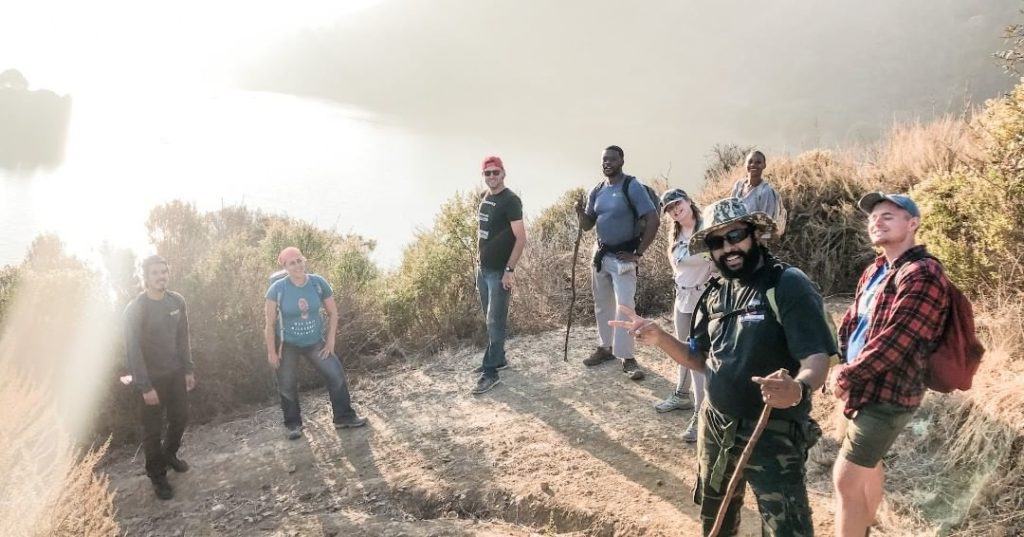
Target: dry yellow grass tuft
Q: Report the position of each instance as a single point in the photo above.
(46, 491)
(910, 152)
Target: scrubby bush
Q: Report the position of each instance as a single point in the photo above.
(221, 261)
(431, 300)
(55, 353)
(825, 233)
(975, 212)
(47, 490)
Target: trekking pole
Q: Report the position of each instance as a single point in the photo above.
(762, 422)
(572, 278)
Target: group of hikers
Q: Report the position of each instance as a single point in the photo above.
(752, 339)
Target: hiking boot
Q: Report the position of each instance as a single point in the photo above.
(350, 423)
(600, 356)
(690, 434)
(294, 433)
(675, 402)
(176, 464)
(162, 488)
(484, 384)
(480, 369)
(632, 369)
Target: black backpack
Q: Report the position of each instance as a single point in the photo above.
(655, 199)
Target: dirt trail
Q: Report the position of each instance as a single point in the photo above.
(557, 448)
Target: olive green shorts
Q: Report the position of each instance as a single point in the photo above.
(871, 433)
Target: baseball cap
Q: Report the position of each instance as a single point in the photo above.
(868, 202)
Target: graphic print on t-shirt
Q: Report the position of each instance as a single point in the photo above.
(495, 239)
(300, 308)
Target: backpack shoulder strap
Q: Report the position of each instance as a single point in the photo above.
(625, 192)
(714, 284)
(769, 293)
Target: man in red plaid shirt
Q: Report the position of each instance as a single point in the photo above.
(897, 315)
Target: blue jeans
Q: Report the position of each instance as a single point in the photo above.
(494, 302)
(330, 369)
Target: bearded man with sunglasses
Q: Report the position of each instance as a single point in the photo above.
(761, 337)
(501, 239)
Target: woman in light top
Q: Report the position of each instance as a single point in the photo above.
(691, 273)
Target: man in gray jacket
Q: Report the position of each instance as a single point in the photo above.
(160, 362)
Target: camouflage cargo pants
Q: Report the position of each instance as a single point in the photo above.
(775, 472)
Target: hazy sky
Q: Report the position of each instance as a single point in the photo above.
(664, 79)
(326, 109)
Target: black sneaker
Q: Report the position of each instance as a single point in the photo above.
(632, 369)
(294, 433)
(480, 369)
(350, 423)
(162, 487)
(177, 464)
(599, 356)
(484, 384)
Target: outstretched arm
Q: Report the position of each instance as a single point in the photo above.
(647, 332)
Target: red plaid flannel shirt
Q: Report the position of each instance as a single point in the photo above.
(910, 308)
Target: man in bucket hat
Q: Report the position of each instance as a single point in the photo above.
(898, 313)
(761, 338)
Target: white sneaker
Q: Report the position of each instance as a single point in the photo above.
(690, 434)
(675, 402)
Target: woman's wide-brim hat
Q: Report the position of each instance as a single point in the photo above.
(724, 212)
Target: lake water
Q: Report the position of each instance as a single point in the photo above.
(336, 167)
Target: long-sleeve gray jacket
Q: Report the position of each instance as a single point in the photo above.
(156, 339)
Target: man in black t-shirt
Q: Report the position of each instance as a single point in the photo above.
(501, 238)
(159, 359)
(761, 337)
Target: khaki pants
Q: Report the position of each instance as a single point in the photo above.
(615, 284)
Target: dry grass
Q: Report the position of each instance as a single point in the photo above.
(46, 491)
(910, 152)
(825, 232)
(825, 235)
(979, 435)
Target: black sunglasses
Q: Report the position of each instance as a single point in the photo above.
(735, 236)
(488, 173)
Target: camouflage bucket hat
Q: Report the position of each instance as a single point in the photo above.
(724, 212)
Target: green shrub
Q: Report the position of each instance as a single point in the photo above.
(431, 299)
(973, 215)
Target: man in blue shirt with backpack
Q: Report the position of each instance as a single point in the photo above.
(627, 221)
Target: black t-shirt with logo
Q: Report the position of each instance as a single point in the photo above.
(753, 343)
(495, 239)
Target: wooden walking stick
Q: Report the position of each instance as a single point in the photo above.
(762, 422)
(572, 278)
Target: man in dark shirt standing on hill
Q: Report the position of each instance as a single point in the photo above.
(614, 207)
(761, 338)
(501, 240)
(160, 362)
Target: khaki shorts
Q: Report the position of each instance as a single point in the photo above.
(871, 433)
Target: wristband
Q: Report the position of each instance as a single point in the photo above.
(805, 392)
